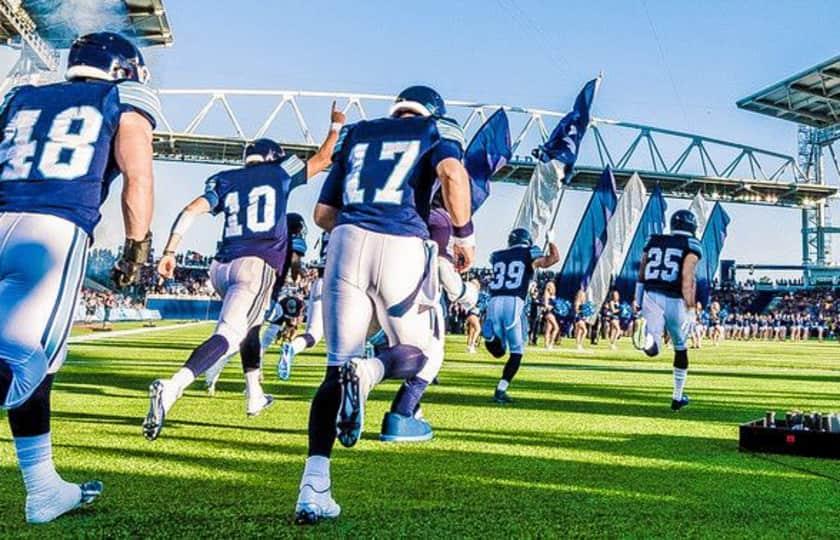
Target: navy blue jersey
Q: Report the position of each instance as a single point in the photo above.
(57, 148)
(253, 200)
(513, 269)
(664, 263)
(384, 171)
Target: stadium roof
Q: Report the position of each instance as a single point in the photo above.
(811, 97)
(143, 20)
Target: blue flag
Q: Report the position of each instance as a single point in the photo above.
(652, 222)
(713, 238)
(589, 239)
(564, 142)
(487, 152)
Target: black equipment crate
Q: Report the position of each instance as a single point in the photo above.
(780, 439)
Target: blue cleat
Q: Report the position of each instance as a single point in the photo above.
(677, 404)
(284, 366)
(399, 428)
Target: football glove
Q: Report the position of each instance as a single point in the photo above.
(135, 254)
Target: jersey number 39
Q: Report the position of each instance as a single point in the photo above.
(507, 275)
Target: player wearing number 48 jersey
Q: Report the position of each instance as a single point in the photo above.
(62, 146)
(666, 291)
(253, 249)
(505, 326)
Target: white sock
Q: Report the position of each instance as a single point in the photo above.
(317, 466)
(47, 495)
(679, 382)
(298, 344)
(182, 379)
(253, 387)
(503, 385)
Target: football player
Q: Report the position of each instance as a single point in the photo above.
(375, 204)
(253, 200)
(506, 326)
(314, 318)
(404, 423)
(291, 309)
(62, 146)
(666, 290)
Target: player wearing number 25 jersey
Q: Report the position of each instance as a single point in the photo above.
(253, 249)
(375, 204)
(666, 293)
(505, 326)
(62, 146)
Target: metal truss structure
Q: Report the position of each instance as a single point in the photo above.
(212, 126)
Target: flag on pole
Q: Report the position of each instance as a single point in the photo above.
(488, 151)
(620, 231)
(538, 202)
(700, 209)
(589, 240)
(652, 222)
(714, 235)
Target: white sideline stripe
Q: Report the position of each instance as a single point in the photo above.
(96, 336)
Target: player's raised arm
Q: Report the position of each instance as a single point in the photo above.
(550, 259)
(322, 158)
(199, 205)
(133, 154)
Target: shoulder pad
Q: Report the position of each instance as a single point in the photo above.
(292, 165)
(449, 129)
(142, 98)
(695, 247)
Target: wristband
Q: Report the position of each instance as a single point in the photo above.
(336, 126)
(168, 253)
(464, 236)
(137, 251)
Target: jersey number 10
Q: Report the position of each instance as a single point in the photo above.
(264, 196)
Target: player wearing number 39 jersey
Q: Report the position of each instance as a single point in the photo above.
(62, 146)
(505, 326)
(253, 249)
(666, 293)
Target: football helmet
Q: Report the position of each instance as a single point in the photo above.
(519, 236)
(106, 56)
(262, 150)
(420, 100)
(684, 221)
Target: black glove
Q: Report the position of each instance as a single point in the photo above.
(135, 254)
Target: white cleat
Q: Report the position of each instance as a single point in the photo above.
(254, 409)
(315, 502)
(48, 505)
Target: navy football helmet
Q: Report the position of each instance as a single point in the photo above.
(519, 236)
(296, 224)
(684, 221)
(106, 56)
(420, 100)
(261, 150)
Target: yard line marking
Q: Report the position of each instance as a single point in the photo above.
(119, 333)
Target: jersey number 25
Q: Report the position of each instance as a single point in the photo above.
(664, 266)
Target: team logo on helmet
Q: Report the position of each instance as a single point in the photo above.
(420, 100)
(684, 221)
(262, 150)
(106, 56)
(520, 236)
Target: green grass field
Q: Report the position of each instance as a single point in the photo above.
(590, 448)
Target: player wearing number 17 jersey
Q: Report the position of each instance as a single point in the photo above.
(666, 292)
(62, 146)
(375, 203)
(253, 249)
(506, 327)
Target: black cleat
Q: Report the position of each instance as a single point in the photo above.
(677, 404)
(502, 398)
(350, 411)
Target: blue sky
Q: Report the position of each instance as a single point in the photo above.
(672, 64)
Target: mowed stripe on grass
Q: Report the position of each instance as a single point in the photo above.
(590, 448)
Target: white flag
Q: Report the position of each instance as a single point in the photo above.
(540, 198)
(620, 232)
(700, 209)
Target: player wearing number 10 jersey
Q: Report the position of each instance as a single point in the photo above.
(253, 249)
(666, 293)
(505, 326)
(62, 146)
